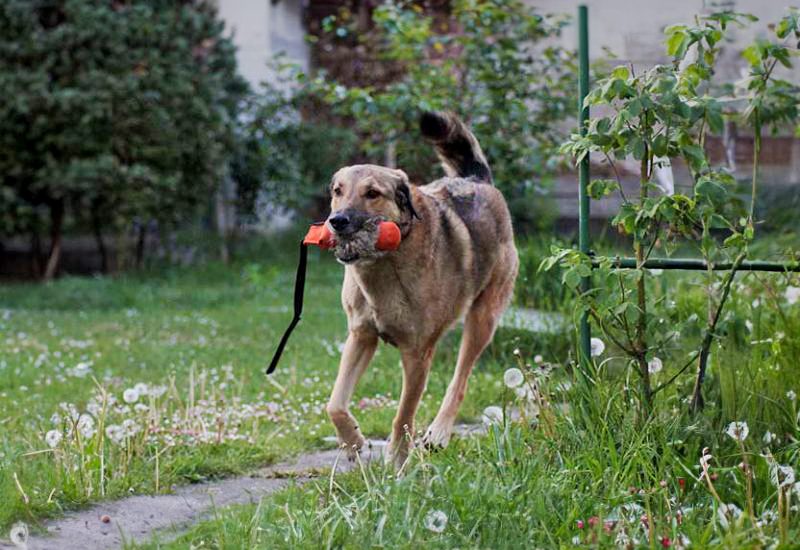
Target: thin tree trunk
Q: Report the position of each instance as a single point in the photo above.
(140, 242)
(56, 226)
(36, 255)
(98, 238)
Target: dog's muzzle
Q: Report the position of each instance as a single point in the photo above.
(356, 233)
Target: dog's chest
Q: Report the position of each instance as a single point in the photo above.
(390, 308)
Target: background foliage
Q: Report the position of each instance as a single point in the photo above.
(114, 111)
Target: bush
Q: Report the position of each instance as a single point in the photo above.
(119, 111)
(491, 64)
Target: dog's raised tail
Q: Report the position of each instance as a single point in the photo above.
(456, 146)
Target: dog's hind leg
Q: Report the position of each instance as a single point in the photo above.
(479, 326)
(358, 351)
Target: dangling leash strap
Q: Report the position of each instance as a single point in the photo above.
(318, 235)
(299, 287)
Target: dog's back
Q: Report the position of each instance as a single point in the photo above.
(467, 195)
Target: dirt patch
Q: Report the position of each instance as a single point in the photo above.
(138, 518)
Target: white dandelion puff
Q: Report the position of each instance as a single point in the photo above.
(86, 426)
(727, 512)
(597, 347)
(436, 521)
(19, 535)
(53, 438)
(792, 295)
(131, 395)
(492, 415)
(654, 365)
(738, 430)
(513, 377)
(782, 476)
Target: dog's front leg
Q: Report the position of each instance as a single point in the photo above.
(358, 351)
(416, 366)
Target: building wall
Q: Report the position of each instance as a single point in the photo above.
(262, 29)
(634, 29)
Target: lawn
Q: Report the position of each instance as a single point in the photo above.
(133, 384)
(191, 344)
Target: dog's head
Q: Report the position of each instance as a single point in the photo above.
(362, 196)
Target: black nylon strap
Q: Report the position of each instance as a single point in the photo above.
(299, 287)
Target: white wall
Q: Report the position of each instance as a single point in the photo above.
(263, 28)
(634, 29)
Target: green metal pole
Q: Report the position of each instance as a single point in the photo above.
(583, 173)
(693, 264)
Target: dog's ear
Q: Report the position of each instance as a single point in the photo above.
(402, 194)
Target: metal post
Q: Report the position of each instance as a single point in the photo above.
(583, 173)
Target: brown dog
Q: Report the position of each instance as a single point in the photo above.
(457, 259)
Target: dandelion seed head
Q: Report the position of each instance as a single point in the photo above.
(597, 347)
(738, 430)
(436, 521)
(655, 365)
(53, 438)
(492, 415)
(513, 377)
(19, 535)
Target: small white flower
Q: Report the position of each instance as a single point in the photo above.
(782, 476)
(748, 324)
(769, 437)
(131, 395)
(791, 395)
(141, 387)
(513, 377)
(436, 521)
(492, 415)
(538, 359)
(654, 365)
(53, 438)
(738, 430)
(598, 347)
(792, 295)
(19, 535)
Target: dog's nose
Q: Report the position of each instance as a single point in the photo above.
(339, 222)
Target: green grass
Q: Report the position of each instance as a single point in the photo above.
(167, 327)
(206, 333)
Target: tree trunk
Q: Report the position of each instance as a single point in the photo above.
(56, 225)
(98, 237)
(36, 255)
(140, 242)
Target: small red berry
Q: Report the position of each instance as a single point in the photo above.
(666, 542)
(580, 524)
(682, 482)
(594, 520)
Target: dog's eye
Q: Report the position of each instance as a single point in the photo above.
(372, 194)
(337, 191)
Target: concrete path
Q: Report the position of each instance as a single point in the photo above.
(534, 320)
(138, 518)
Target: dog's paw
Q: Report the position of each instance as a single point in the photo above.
(353, 448)
(396, 455)
(437, 436)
